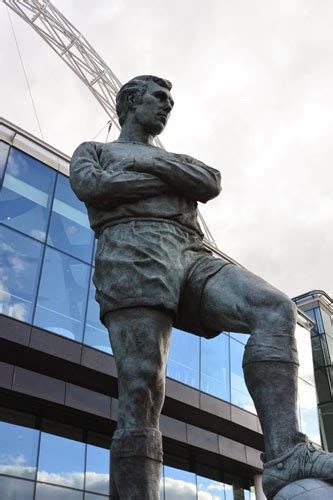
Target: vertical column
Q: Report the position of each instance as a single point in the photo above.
(260, 495)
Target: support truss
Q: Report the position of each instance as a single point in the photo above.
(79, 55)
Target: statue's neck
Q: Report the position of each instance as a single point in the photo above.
(134, 132)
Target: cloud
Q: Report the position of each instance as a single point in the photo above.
(177, 489)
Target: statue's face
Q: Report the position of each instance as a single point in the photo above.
(154, 110)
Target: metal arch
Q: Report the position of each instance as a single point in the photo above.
(73, 48)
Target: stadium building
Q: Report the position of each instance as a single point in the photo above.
(58, 381)
(318, 305)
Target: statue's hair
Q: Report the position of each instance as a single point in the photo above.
(137, 86)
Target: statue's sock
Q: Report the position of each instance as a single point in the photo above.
(136, 457)
(273, 388)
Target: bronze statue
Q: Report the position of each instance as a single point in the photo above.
(152, 271)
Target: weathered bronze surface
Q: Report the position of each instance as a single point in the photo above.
(152, 271)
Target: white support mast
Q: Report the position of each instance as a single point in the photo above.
(80, 56)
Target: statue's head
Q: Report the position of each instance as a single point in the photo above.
(148, 99)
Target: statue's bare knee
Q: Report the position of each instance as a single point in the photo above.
(273, 322)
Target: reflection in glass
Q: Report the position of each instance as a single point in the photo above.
(61, 461)
(215, 366)
(95, 335)
(229, 493)
(19, 265)
(62, 295)
(69, 226)
(162, 483)
(47, 492)
(209, 489)
(25, 197)
(16, 489)
(239, 393)
(183, 364)
(94, 251)
(327, 322)
(4, 149)
(241, 337)
(315, 314)
(307, 399)
(97, 469)
(18, 450)
(304, 348)
(249, 495)
(179, 484)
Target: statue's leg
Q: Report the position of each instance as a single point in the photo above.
(236, 300)
(140, 340)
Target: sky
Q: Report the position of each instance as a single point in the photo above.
(252, 84)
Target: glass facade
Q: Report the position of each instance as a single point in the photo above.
(55, 466)
(322, 348)
(315, 314)
(184, 485)
(38, 464)
(307, 397)
(324, 327)
(46, 280)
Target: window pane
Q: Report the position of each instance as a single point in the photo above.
(25, 195)
(179, 484)
(249, 495)
(96, 335)
(162, 483)
(97, 469)
(304, 348)
(62, 295)
(183, 362)
(61, 461)
(239, 393)
(16, 489)
(209, 489)
(319, 320)
(310, 313)
(327, 322)
(94, 251)
(215, 366)
(4, 148)
(315, 314)
(69, 227)
(46, 492)
(229, 494)
(308, 410)
(19, 263)
(241, 337)
(18, 450)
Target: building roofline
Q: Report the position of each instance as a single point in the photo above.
(18, 130)
(323, 297)
(314, 293)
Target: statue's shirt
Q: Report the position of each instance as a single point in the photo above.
(111, 179)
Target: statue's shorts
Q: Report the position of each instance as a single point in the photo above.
(156, 264)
